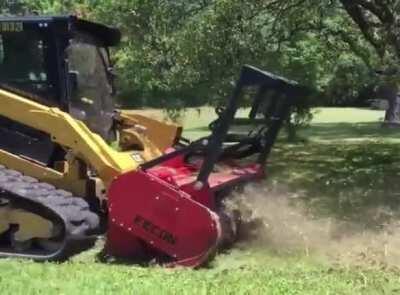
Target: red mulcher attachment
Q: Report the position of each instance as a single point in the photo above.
(171, 208)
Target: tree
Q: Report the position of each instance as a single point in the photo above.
(187, 52)
(379, 22)
(8, 7)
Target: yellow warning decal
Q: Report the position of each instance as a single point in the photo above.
(11, 27)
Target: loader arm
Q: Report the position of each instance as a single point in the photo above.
(162, 135)
(71, 134)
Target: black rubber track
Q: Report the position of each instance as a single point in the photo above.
(70, 213)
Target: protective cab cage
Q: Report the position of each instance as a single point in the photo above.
(271, 106)
(55, 32)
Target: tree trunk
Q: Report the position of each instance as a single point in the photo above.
(392, 116)
(291, 131)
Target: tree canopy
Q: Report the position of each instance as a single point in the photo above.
(187, 52)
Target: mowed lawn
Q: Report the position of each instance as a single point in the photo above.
(347, 167)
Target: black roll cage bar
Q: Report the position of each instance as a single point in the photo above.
(279, 93)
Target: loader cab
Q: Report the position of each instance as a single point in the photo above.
(59, 61)
(62, 62)
(28, 61)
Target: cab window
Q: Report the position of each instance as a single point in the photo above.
(93, 101)
(25, 63)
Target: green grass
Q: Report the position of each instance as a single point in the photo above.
(349, 124)
(347, 167)
(346, 115)
(243, 275)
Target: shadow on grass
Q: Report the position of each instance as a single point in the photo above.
(358, 182)
(332, 131)
(349, 176)
(354, 175)
(348, 131)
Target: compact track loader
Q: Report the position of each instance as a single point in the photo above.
(156, 196)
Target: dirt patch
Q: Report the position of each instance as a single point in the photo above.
(286, 227)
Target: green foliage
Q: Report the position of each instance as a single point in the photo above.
(352, 83)
(56, 7)
(187, 53)
(8, 7)
(184, 53)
